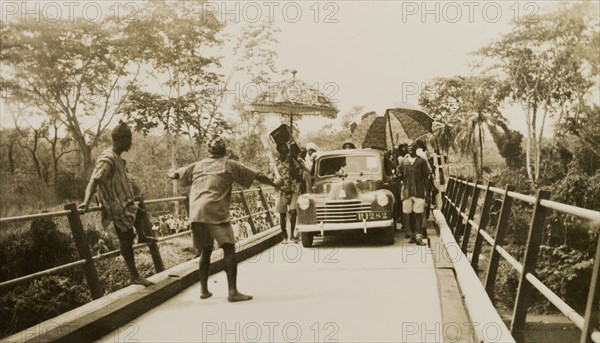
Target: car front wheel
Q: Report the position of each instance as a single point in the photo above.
(307, 239)
(388, 234)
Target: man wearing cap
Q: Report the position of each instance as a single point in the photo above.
(311, 153)
(117, 196)
(414, 171)
(211, 183)
(348, 146)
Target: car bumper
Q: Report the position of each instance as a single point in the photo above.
(322, 227)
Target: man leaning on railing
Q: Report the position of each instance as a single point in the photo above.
(117, 196)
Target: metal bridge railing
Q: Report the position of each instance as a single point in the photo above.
(88, 262)
(460, 214)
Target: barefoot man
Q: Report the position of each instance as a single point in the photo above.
(210, 200)
(117, 196)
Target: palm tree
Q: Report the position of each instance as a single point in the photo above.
(442, 135)
(479, 110)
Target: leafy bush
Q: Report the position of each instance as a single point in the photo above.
(510, 148)
(69, 186)
(517, 178)
(567, 272)
(24, 193)
(505, 289)
(43, 246)
(43, 299)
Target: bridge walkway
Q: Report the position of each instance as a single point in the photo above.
(344, 289)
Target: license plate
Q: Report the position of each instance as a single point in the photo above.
(372, 215)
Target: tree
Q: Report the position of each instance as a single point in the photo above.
(59, 146)
(471, 106)
(10, 142)
(440, 99)
(177, 45)
(549, 64)
(71, 71)
(170, 47)
(254, 58)
(509, 146)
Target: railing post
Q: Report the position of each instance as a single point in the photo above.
(146, 228)
(265, 204)
(455, 213)
(592, 315)
(451, 196)
(186, 203)
(524, 291)
(156, 258)
(441, 170)
(445, 197)
(483, 222)
(463, 208)
(83, 249)
(501, 227)
(248, 212)
(472, 210)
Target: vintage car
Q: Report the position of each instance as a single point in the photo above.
(352, 191)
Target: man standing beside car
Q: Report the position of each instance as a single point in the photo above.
(414, 171)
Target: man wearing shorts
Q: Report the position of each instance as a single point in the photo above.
(211, 183)
(117, 196)
(288, 196)
(414, 171)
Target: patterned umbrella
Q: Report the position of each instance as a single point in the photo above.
(415, 123)
(385, 131)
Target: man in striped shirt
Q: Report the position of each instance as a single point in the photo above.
(116, 193)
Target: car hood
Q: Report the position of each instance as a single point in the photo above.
(346, 189)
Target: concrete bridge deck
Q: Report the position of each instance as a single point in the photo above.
(340, 291)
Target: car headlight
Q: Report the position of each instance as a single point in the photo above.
(303, 203)
(382, 200)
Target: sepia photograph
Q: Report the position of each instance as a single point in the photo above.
(300, 171)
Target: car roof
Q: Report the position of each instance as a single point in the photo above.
(349, 152)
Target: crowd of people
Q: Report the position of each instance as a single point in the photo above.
(168, 224)
(412, 167)
(213, 216)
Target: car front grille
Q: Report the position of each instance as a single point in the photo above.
(341, 211)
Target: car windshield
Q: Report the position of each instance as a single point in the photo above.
(349, 165)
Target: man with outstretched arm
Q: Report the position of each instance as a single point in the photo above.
(117, 196)
(211, 183)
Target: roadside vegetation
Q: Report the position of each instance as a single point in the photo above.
(549, 68)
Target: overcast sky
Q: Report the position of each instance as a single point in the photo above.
(376, 54)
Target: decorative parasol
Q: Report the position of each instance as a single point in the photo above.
(294, 97)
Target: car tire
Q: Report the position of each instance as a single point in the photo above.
(388, 234)
(307, 239)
